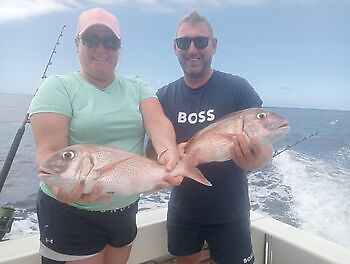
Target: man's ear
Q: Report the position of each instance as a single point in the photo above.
(214, 43)
(76, 41)
(175, 48)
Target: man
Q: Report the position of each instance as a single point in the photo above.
(219, 214)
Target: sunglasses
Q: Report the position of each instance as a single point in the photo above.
(92, 41)
(185, 42)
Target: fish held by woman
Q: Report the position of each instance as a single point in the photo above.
(122, 173)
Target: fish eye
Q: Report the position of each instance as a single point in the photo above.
(68, 155)
(261, 115)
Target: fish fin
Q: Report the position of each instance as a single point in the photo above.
(190, 172)
(104, 170)
(195, 174)
(191, 159)
(227, 136)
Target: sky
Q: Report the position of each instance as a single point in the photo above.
(295, 53)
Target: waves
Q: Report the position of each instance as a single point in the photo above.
(317, 193)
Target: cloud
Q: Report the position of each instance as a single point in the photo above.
(172, 5)
(25, 9)
(286, 88)
(157, 6)
(161, 6)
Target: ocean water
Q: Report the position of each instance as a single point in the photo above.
(307, 186)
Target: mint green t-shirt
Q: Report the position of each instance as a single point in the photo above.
(109, 117)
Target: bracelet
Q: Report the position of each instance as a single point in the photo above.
(163, 151)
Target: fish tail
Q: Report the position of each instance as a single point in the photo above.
(195, 174)
(190, 172)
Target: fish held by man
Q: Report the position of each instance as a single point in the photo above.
(213, 142)
(121, 173)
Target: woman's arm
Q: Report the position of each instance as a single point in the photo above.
(51, 134)
(161, 132)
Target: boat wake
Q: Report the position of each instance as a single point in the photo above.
(319, 190)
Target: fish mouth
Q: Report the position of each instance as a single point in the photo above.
(277, 132)
(282, 126)
(45, 171)
(47, 175)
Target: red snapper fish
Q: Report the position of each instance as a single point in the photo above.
(213, 142)
(121, 173)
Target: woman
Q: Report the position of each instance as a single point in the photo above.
(94, 106)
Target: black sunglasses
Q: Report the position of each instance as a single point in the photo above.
(109, 42)
(185, 42)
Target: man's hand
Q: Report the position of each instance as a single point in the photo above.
(248, 153)
(181, 149)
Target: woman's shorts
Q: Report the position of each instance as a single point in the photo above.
(68, 233)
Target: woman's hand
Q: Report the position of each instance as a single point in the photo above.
(77, 195)
(170, 158)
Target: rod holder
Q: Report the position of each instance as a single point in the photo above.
(6, 220)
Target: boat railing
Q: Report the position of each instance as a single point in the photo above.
(273, 241)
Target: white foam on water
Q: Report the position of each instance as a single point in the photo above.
(22, 227)
(321, 194)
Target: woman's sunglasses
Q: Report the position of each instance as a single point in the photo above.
(109, 42)
(185, 42)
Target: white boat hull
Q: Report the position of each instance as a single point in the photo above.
(273, 242)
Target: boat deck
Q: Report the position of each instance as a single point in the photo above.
(205, 259)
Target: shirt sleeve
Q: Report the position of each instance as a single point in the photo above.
(51, 97)
(247, 96)
(145, 91)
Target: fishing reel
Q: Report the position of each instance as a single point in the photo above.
(6, 220)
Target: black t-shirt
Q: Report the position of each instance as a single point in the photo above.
(191, 110)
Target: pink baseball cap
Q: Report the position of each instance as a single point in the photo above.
(98, 16)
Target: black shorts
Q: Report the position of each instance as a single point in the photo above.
(228, 243)
(69, 231)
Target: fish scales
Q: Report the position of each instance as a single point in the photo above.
(123, 173)
(213, 142)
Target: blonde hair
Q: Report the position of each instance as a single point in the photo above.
(195, 18)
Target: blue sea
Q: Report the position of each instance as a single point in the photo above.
(307, 186)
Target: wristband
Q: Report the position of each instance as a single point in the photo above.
(163, 151)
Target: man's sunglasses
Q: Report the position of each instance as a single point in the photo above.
(92, 41)
(185, 42)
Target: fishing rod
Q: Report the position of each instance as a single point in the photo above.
(277, 152)
(18, 137)
(7, 212)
